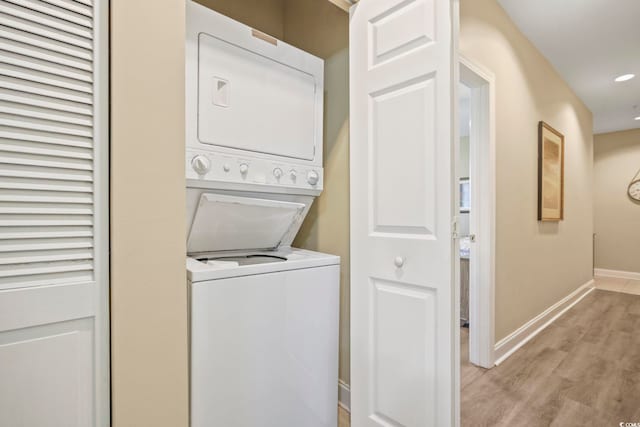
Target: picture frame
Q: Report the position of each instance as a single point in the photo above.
(550, 173)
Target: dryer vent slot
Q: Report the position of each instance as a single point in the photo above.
(264, 37)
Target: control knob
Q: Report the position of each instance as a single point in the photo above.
(201, 164)
(312, 177)
(277, 172)
(244, 168)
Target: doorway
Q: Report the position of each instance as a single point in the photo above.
(476, 217)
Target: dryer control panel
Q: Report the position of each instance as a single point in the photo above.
(210, 169)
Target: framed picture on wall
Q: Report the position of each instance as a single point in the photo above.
(550, 173)
(465, 195)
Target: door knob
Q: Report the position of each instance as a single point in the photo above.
(398, 261)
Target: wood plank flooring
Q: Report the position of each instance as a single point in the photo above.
(583, 370)
(344, 420)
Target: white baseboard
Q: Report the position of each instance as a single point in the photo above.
(601, 272)
(508, 345)
(344, 395)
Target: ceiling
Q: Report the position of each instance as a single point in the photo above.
(589, 43)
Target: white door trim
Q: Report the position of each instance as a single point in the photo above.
(514, 341)
(483, 216)
(101, 226)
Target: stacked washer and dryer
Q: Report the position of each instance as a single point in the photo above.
(263, 315)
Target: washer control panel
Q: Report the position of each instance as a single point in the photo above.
(211, 166)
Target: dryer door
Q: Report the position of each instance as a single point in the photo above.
(229, 223)
(253, 100)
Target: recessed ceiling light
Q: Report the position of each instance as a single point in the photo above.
(637, 118)
(624, 77)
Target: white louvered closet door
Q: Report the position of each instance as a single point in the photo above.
(54, 344)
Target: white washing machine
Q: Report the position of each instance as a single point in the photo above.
(263, 315)
(264, 339)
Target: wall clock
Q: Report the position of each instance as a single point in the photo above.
(634, 190)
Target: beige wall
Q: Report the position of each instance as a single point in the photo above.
(326, 228)
(316, 26)
(264, 15)
(537, 263)
(617, 216)
(322, 28)
(149, 370)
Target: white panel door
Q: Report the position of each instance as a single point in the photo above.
(402, 293)
(54, 342)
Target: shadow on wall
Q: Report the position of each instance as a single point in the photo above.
(326, 228)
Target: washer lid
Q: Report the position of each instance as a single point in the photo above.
(230, 223)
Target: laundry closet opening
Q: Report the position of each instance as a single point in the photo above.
(322, 29)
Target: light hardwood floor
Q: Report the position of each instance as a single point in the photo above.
(343, 418)
(583, 370)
